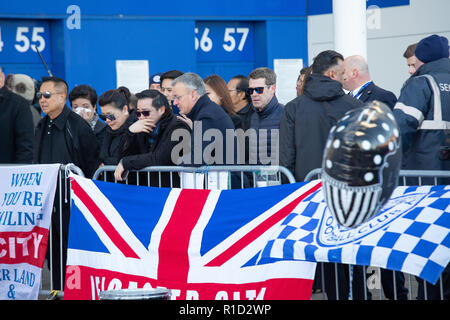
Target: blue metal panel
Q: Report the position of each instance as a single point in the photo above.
(19, 38)
(173, 8)
(92, 51)
(162, 33)
(286, 40)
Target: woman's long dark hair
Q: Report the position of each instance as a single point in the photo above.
(221, 89)
(118, 98)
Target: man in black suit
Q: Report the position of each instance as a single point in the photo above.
(356, 79)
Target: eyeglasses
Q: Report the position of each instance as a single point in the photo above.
(45, 94)
(178, 97)
(108, 116)
(144, 113)
(258, 90)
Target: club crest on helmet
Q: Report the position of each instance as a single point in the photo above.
(361, 163)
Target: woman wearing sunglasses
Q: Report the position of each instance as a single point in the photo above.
(117, 115)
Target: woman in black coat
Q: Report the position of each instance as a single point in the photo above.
(118, 117)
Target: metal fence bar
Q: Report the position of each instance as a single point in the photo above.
(206, 170)
(420, 175)
(44, 291)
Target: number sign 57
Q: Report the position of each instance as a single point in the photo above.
(230, 43)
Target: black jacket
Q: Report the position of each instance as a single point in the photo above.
(158, 153)
(306, 123)
(74, 142)
(268, 118)
(16, 128)
(245, 114)
(100, 131)
(208, 115)
(373, 92)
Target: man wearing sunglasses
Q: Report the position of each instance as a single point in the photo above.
(152, 135)
(62, 136)
(267, 115)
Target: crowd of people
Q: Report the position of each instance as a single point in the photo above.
(136, 130)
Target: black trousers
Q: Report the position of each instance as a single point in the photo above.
(56, 254)
(359, 291)
(433, 292)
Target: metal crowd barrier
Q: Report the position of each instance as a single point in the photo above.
(373, 284)
(258, 176)
(261, 176)
(62, 198)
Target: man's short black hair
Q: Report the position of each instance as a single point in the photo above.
(242, 86)
(84, 91)
(326, 60)
(172, 74)
(59, 83)
(158, 99)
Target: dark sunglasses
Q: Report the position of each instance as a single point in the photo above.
(144, 113)
(44, 94)
(258, 90)
(108, 116)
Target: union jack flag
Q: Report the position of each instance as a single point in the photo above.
(200, 244)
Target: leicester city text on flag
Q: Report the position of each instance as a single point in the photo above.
(410, 234)
(200, 244)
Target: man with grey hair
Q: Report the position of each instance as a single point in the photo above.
(356, 79)
(266, 119)
(208, 120)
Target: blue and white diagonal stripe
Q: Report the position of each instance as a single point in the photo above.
(410, 234)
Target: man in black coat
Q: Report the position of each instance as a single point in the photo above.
(356, 79)
(62, 136)
(307, 120)
(189, 95)
(304, 128)
(213, 140)
(16, 128)
(266, 118)
(153, 135)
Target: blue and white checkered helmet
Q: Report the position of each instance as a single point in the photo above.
(361, 163)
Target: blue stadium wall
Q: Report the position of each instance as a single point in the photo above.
(203, 36)
(166, 33)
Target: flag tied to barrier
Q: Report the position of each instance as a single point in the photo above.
(26, 203)
(200, 244)
(410, 234)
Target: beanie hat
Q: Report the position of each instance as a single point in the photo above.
(23, 85)
(432, 48)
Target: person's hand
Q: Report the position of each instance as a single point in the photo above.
(143, 125)
(119, 171)
(85, 113)
(183, 117)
